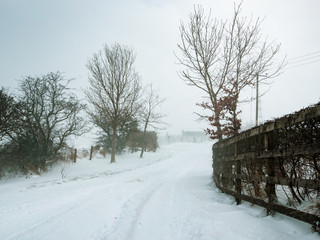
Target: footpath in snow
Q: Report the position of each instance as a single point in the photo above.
(168, 195)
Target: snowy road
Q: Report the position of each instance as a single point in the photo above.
(168, 195)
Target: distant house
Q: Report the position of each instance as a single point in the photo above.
(194, 136)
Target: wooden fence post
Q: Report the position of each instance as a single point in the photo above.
(75, 155)
(91, 152)
(238, 172)
(226, 171)
(257, 170)
(257, 165)
(270, 188)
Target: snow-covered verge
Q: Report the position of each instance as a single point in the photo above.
(167, 195)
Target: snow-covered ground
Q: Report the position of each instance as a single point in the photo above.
(167, 195)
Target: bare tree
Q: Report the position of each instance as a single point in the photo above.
(149, 115)
(114, 90)
(222, 58)
(48, 115)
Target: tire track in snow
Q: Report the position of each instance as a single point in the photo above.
(160, 188)
(155, 178)
(166, 216)
(156, 213)
(122, 227)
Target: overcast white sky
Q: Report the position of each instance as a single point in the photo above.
(39, 36)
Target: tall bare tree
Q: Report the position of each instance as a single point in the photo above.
(150, 117)
(222, 58)
(114, 90)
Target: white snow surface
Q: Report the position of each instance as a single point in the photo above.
(166, 195)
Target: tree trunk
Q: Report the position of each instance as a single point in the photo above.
(91, 152)
(218, 125)
(114, 145)
(236, 124)
(217, 112)
(235, 119)
(143, 139)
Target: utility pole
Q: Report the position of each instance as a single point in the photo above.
(257, 100)
(257, 97)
